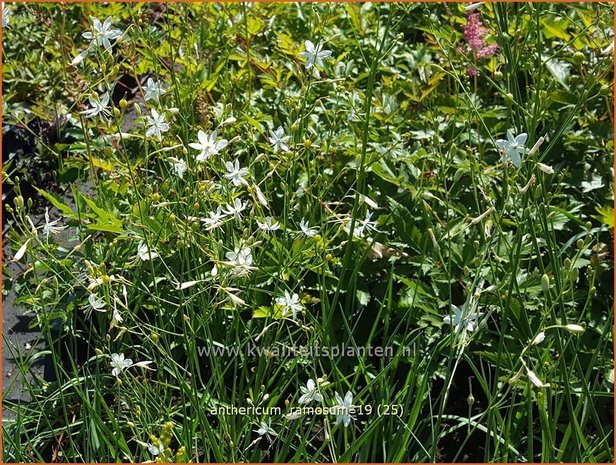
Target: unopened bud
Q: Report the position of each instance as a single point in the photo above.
(433, 238)
(539, 338)
(545, 283)
(547, 169)
(575, 329)
(536, 146)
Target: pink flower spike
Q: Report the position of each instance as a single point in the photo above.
(487, 51)
(474, 32)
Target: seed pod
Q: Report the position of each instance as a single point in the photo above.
(578, 58)
(580, 244)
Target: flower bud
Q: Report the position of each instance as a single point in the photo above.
(539, 338)
(580, 244)
(545, 283)
(575, 329)
(545, 168)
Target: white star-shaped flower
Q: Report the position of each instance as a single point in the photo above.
(315, 54)
(50, 226)
(344, 408)
(97, 303)
(208, 145)
(144, 253)
(240, 260)
(153, 89)
(101, 34)
(98, 104)
(179, 166)
(290, 304)
(513, 148)
(310, 393)
(460, 321)
(279, 140)
(265, 429)
(156, 450)
(156, 125)
(306, 229)
(119, 363)
(215, 219)
(235, 174)
(268, 225)
(236, 209)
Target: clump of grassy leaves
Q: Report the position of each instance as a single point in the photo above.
(395, 209)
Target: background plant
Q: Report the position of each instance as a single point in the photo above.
(393, 205)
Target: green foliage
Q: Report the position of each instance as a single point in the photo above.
(396, 213)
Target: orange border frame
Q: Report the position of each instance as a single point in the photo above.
(292, 1)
